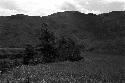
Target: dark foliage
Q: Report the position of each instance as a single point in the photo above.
(50, 49)
(29, 54)
(5, 65)
(47, 46)
(53, 49)
(3, 56)
(68, 49)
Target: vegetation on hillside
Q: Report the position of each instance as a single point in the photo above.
(52, 49)
(18, 30)
(49, 50)
(58, 42)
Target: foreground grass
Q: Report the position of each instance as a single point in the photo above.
(95, 69)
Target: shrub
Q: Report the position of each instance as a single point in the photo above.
(68, 50)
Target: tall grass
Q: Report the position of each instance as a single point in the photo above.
(44, 74)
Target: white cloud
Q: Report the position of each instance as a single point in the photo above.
(36, 7)
(45, 7)
(101, 5)
(113, 0)
(9, 4)
(7, 12)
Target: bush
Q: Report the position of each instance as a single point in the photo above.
(68, 50)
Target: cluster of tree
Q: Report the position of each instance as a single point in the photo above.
(52, 49)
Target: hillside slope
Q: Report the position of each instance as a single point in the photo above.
(91, 30)
(16, 31)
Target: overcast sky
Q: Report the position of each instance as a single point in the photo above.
(47, 7)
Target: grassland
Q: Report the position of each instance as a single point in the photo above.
(96, 68)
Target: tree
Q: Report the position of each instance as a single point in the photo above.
(52, 49)
(47, 45)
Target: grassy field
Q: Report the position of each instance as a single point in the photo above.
(96, 68)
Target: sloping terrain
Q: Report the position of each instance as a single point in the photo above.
(103, 32)
(88, 29)
(20, 30)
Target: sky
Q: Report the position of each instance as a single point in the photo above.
(47, 7)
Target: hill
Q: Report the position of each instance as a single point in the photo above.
(17, 30)
(102, 32)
